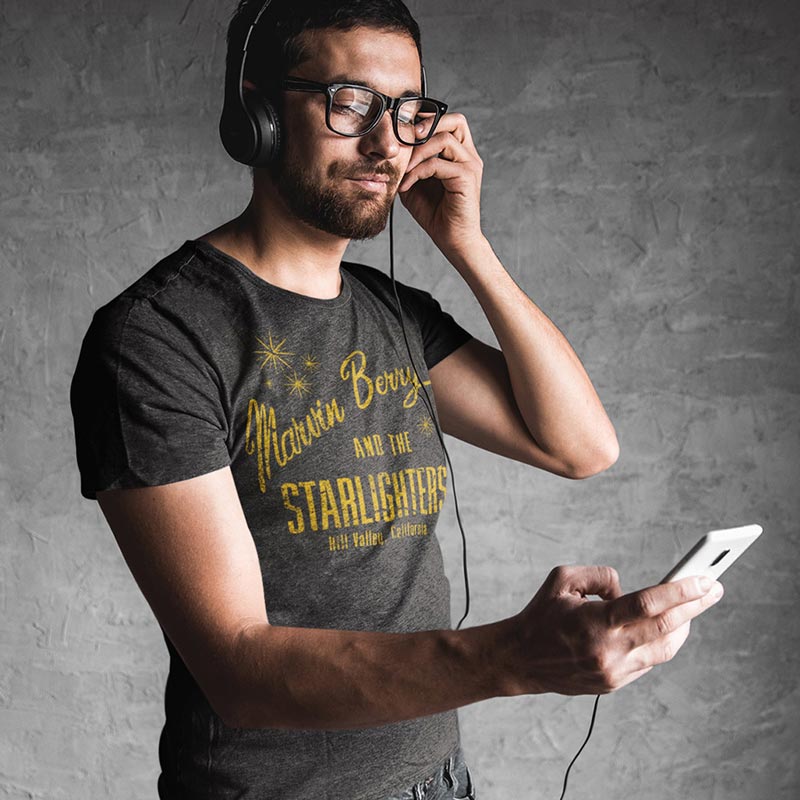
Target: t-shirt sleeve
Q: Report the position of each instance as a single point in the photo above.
(441, 334)
(146, 402)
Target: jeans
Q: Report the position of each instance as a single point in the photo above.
(451, 781)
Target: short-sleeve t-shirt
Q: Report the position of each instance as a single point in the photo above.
(322, 418)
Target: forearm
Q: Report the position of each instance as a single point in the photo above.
(555, 396)
(328, 679)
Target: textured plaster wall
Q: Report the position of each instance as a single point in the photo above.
(642, 176)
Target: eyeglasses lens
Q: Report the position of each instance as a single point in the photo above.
(353, 111)
(412, 113)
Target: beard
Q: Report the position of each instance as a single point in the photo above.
(336, 208)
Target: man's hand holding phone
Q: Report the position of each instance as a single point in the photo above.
(567, 643)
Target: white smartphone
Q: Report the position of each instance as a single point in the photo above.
(714, 553)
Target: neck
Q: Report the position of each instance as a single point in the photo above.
(281, 249)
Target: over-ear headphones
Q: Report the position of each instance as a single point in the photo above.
(249, 126)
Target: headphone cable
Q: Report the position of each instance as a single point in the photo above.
(580, 750)
(429, 406)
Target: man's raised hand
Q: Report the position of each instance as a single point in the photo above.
(442, 187)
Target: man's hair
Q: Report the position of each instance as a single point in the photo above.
(277, 46)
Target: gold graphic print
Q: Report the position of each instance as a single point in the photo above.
(297, 385)
(425, 426)
(364, 510)
(273, 353)
(279, 358)
(310, 362)
(274, 446)
(366, 386)
(358, 500)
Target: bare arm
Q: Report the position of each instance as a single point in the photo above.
(530, 412)
(534, 401)
(189, 548)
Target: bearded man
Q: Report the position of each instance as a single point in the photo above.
(259, 439)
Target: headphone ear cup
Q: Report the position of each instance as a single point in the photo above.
(237, 131)
(267, 128)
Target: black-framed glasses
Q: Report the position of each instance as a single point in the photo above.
(354, 110)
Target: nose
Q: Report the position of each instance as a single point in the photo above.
(381, 142)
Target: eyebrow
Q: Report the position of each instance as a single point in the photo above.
(347, 79)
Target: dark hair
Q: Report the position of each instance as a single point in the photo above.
(276, 45)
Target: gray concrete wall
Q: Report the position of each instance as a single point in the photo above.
(642, 177)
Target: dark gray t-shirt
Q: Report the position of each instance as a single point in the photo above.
(313, 403)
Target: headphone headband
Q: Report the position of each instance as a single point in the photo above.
(250, 30)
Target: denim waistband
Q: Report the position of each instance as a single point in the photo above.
(451, 781)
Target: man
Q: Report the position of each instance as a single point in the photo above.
(249, 419)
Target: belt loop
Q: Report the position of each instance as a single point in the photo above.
(470, 787)
(447, 772)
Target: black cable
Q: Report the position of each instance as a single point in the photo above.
(585, 742)
(429, 405)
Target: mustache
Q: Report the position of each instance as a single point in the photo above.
(364, 170)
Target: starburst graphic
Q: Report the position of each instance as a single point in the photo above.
(425, 426)
(310, 362)
(298, 385)
(274, 354)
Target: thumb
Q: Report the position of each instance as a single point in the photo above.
(583, 581)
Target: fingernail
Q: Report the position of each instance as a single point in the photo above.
(705, 583)
(717, 591)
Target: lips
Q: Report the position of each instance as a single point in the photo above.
(376, 183)
(371, 178)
